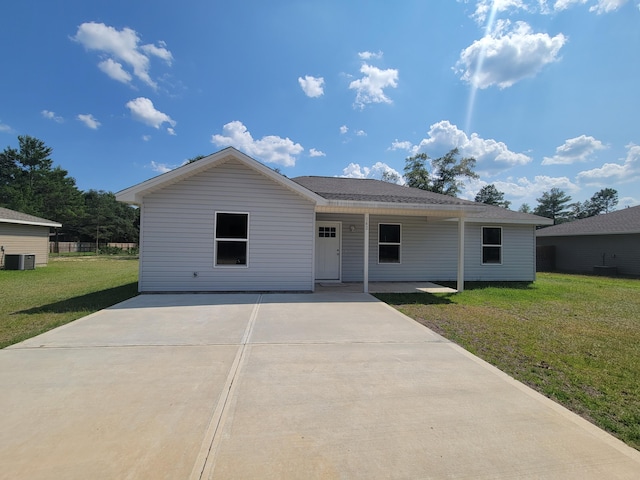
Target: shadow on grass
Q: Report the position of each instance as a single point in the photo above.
(447, 298)
(90, 302)
(484, 285)
(414, 298)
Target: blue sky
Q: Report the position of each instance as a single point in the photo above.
(542, 93)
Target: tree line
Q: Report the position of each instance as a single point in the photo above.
(448, 174)
(30, 183)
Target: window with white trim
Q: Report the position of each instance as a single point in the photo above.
(389, 242)
(231, 239)
(491, 245)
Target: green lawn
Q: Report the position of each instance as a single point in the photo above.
(34, 301)
(576, 339)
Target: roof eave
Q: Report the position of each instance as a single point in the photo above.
(585, 234)
(33, 223)
(411, 208)
(134, 195)
(515, 221)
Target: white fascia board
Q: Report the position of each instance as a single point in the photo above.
(136, 193)
(27, 222)
(354, 206)
(600, 234)
(511, 221)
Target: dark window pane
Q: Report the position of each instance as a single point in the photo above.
(231, 253)
(491, 236)
(389, 233)
(491, 254)
(389, 253)
(231, 225)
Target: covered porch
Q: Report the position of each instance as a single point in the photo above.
(428, 242)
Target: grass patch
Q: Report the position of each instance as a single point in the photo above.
(575, 339)
(34, 301)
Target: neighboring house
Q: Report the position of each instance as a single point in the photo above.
(22, 233)
(228, 223)
(607, 243)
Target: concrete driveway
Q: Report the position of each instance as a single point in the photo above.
(325, 385)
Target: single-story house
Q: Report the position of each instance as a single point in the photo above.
(606, 243)
(229, 223)
(22, 233)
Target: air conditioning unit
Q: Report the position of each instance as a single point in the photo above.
(20, 261)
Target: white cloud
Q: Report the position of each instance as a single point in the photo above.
(115, 70)
(89, 120)
(312, 86)
(606, 6)
(160, 167)
(354, 170)
(142, 109)
(483, 8)
(146, 138)
(361, 133)
(521, 190)
(4, 128)
(491, 155)
(398, 145)
(271, 148)
(160, 52)
(504, 57)
(611, 173)
(370, 55)
(171, 131)
(52, 116)
(164, 167)
(574, 150)
(121, 47)
(370, 88)
(344, 129)
(316, 153)
(560, 5)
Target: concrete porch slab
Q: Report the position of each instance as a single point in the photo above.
(383, 287)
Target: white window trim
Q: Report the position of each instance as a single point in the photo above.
(482, 245)
(399, 244)
(215, 239)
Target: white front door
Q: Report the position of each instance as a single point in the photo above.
(328, 251)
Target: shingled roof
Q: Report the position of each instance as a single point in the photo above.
(11, 216)
(622, 221)
(370, 190)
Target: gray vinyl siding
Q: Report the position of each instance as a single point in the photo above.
(429, 250)
(518, 254)
(32, 239)
(178, 226)
(580, 253)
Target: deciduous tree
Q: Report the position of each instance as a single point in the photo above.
(447, 175)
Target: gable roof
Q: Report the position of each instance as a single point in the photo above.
(337, 194)
(135, 194)
(12, 216)
(623, 221)
(355, 190)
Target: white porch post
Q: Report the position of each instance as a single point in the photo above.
(366, 253)
(460, 285)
